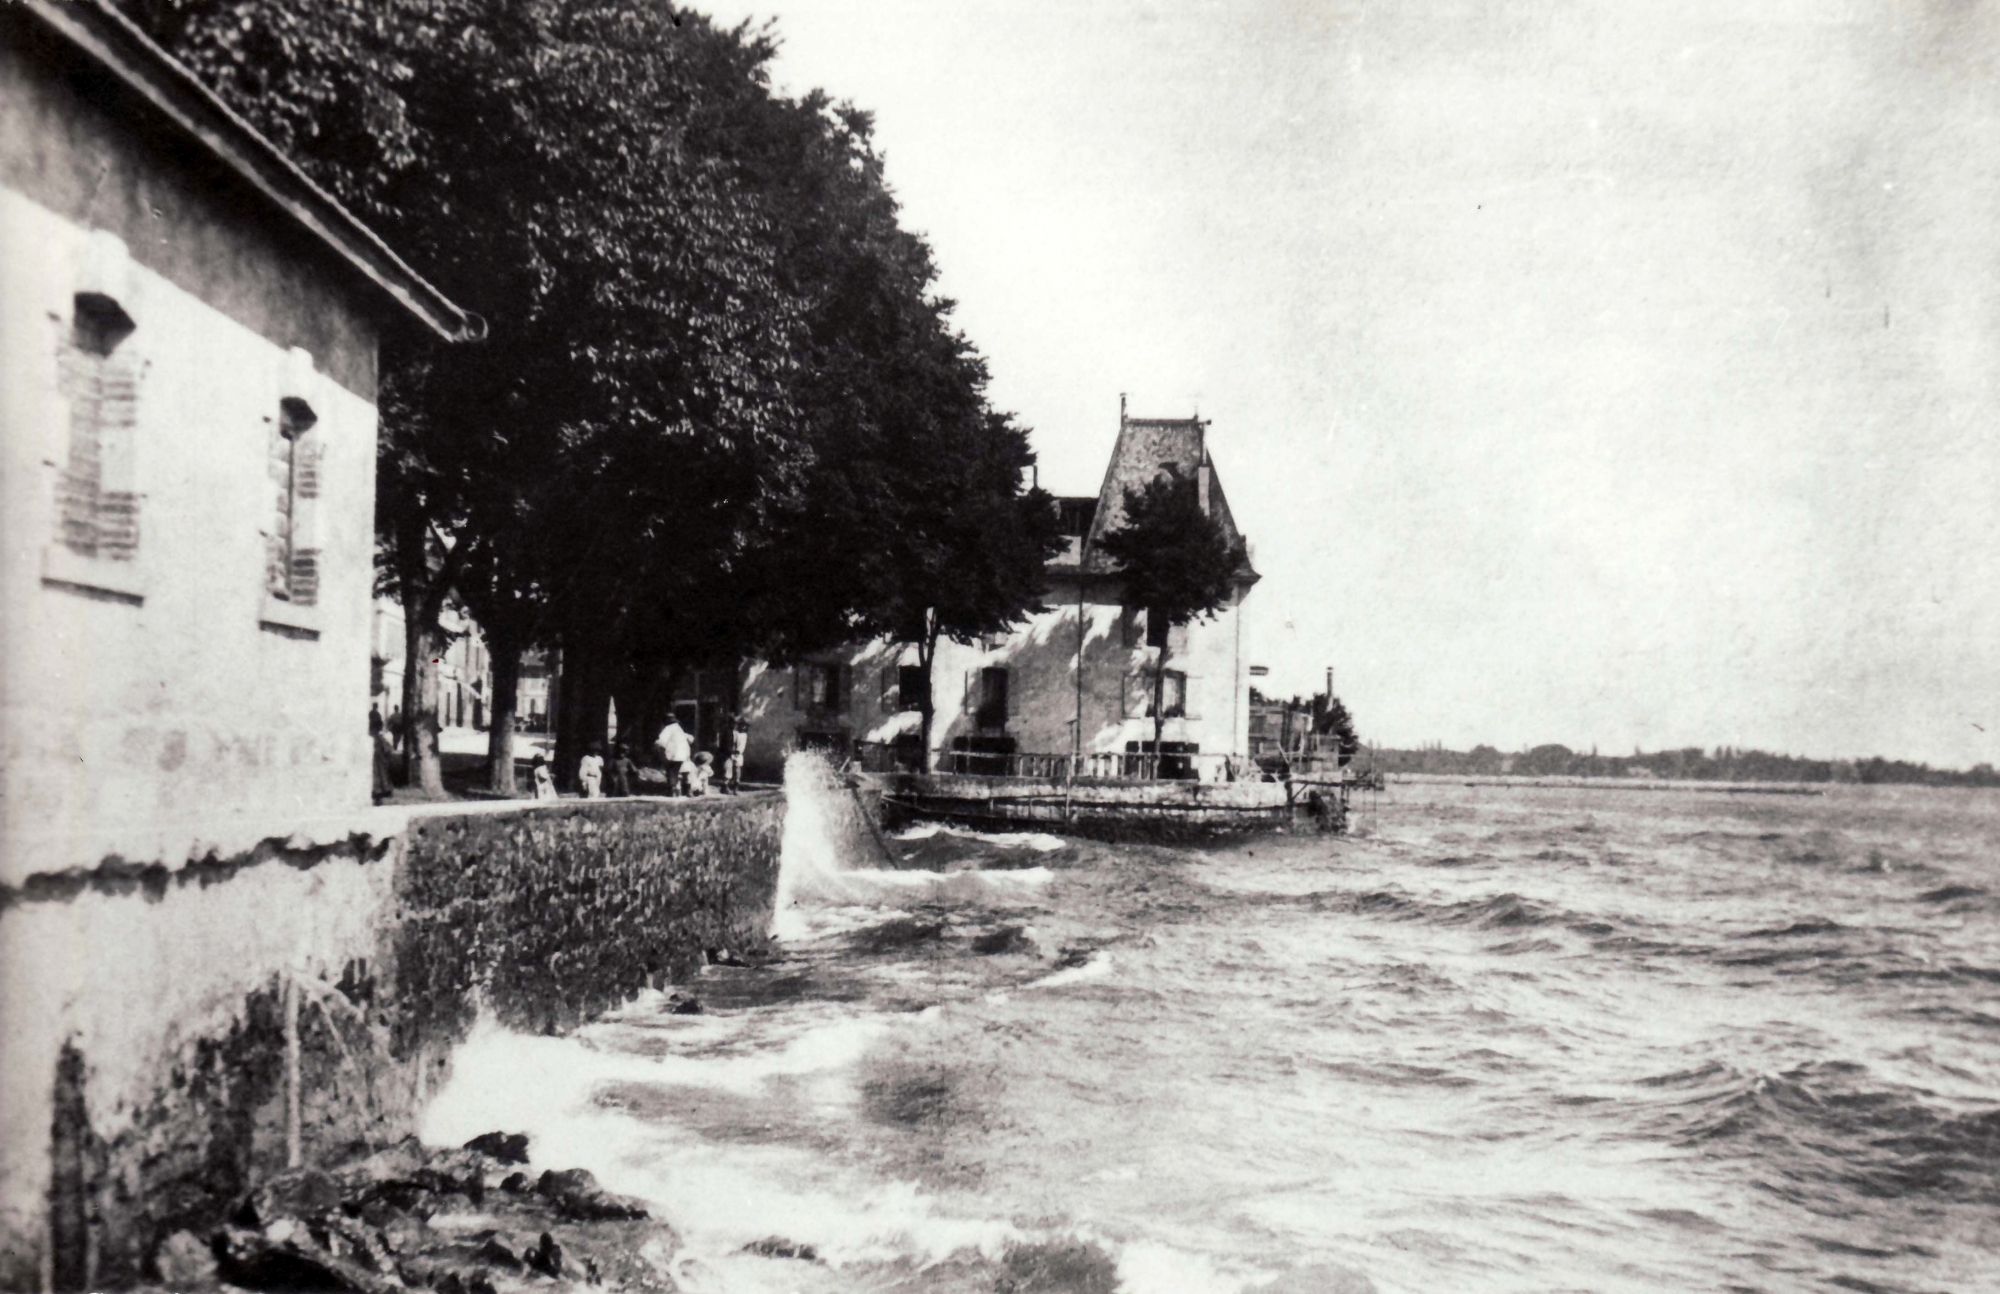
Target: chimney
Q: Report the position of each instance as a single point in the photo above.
(1201, 471)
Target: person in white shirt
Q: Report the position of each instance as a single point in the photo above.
(674, 747)
(590, 773)
(698, 773)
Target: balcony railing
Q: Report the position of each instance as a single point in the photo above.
(1096, 766)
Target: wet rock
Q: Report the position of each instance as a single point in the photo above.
(575, 1194)
(449, 1283)
(255, 1262)
(294, 1193)
(1004, 939)
(402, 1234)
(546, 1257)
(779, 1247)
(396, 1163)
(357, 1243)
(1063, 1266)
(480, 1285)
(516, 1183)
(456, 1172)
(508, 1148)
(684, 1004)
(185, 1262)
(494, 1254)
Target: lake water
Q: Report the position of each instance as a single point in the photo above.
(1498, 1039)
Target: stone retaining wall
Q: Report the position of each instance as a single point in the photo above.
(176, 1033)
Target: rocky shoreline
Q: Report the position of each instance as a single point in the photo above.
(465, 1221)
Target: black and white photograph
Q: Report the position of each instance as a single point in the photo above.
(958, 647)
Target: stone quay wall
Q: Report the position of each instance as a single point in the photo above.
(178, 1033)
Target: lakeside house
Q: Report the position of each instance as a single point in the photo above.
(1078, 676)
(188, 335)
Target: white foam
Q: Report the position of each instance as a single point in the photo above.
(1039, 841)
(812, 879)
(1097, 967)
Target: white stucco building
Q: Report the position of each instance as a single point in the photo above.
(1078, 676)
(188, 332)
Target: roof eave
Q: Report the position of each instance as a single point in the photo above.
(119, 46)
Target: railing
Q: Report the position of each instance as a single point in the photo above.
(1308, 745)
(1096, 766)
(1102, 766)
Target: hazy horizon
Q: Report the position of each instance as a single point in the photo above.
(1604, 371)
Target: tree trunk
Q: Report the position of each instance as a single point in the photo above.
(1160, 701)
(586, 699)
(423, 644)
(500, 735)
(927, 711)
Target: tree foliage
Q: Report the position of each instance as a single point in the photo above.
(719, 409)
(1176, 560)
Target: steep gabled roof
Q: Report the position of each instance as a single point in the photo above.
(1146, 447)
(97, 31)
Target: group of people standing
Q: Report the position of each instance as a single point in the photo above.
(689, 772)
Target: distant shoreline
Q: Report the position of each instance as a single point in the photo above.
(1507, 781)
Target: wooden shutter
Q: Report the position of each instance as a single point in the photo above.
(886, 691)
(1189, 710)
(798, 687)
(842, 686)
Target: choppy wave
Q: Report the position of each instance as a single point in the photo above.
(1508, 1040)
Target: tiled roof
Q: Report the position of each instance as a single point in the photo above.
(1145, 448)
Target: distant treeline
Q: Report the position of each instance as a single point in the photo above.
(1723, 764)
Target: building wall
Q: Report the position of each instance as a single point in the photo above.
(162, 706)
(1040, 658)
(374, 951)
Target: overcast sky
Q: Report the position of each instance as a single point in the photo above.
(1616, 374)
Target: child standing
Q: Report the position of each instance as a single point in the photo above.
(590, 772)
(545, 781)
(623, 771)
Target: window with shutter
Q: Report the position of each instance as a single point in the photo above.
(291, 569)
(97, 513)
(885, 688)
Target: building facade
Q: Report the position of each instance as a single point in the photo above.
(1078, 677)
(188, 332)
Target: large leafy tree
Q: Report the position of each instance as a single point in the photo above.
(718, 410)
(1176, 560)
